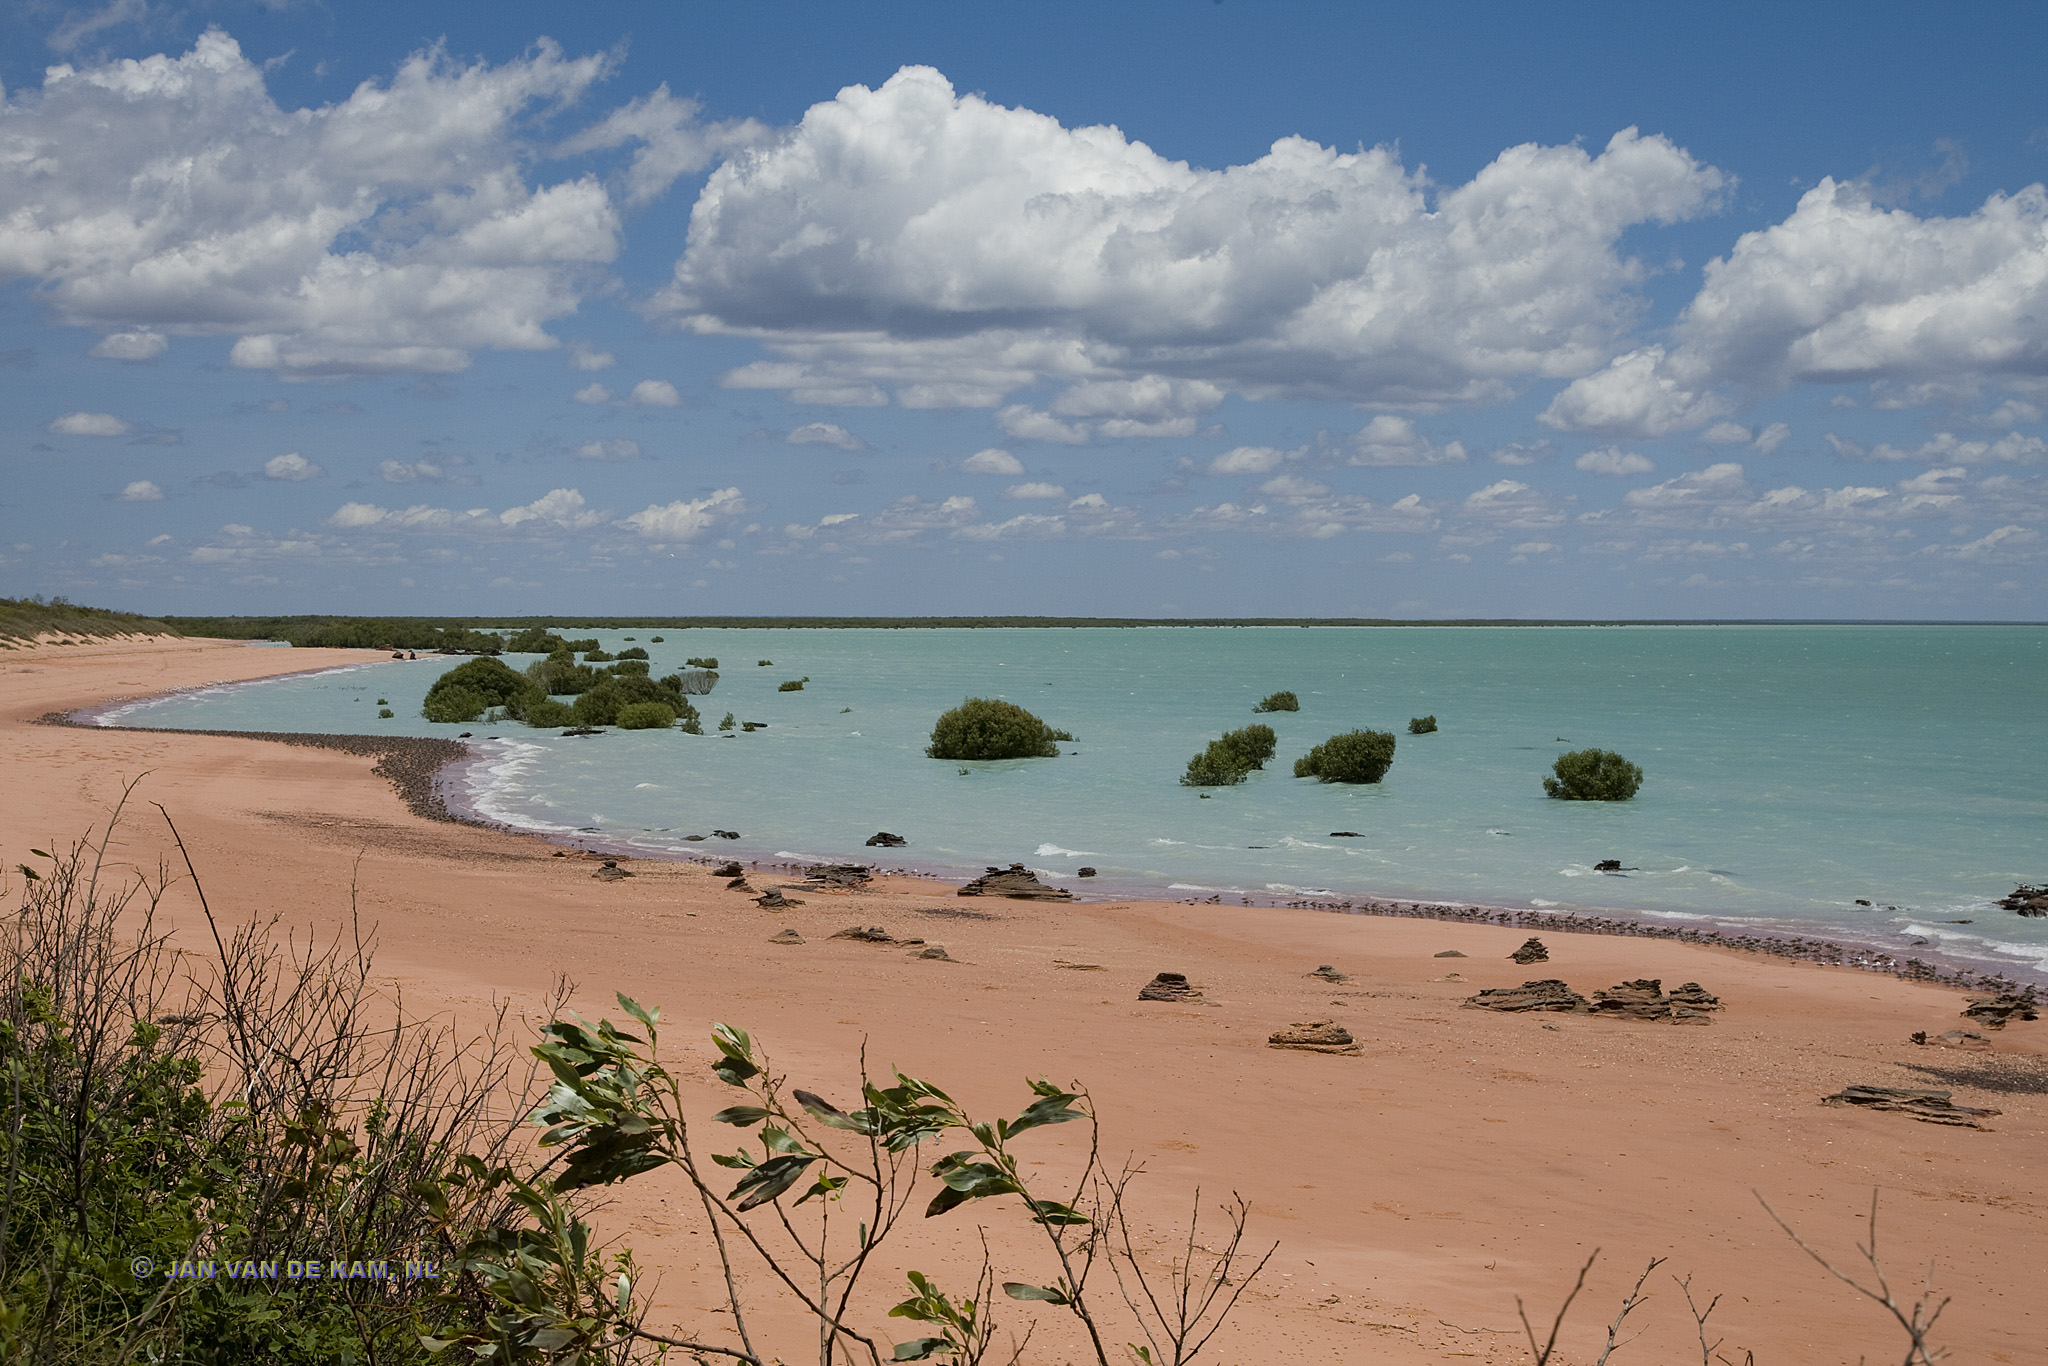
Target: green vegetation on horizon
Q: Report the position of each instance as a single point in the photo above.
(27, 618)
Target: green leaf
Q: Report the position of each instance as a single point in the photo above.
(733, 1042)
(780, 1141)
(829, 1114)
(770, 1179)
(738, 1160)
(735, 1071)
(744, 1116)
(639, 1012)
(1017, 1290)
(918, 1350)
(825, 1185)
(1052, 1212)
(1053, 1109)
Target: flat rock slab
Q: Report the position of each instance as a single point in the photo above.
(1994, 1012)
(866, 934)
(936, 952)
(774, 900)
(786, 937)
(2027, 900)
(1314, 1036)
(847, 875)
(1932, 1106)
(1952, 1038)
(611, 872)
(1015, 881)
(1547, 994)
(1645, 999)
(1531, 952)
(1330, 974)
(1169, 986)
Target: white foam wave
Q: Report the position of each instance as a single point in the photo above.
(1290, 842)
(1054, 851)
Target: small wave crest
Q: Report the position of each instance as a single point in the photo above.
(1054, 851)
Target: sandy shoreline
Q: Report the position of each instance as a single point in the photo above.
(1463, 1159)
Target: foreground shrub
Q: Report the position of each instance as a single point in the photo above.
(989, 728)
(646, 716)
(1593, 775)
(1231, 758)
(598, 656)
(727, 723)
(1357, 756)
(469, 690)
(630, 666)
(793, 685)
(1280, 701)
(635, 653)
(559, 675)
(547, 713)
(601, 706)
(1421, 725)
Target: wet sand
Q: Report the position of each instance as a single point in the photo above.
(1462, 1159)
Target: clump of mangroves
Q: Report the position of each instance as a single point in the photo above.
(601, 690)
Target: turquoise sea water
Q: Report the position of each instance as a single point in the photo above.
(1790, 770)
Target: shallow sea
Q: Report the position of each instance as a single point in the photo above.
(1791, 770)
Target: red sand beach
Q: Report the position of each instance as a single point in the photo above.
(1462, 1158)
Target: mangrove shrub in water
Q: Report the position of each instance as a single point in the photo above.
(1280, 701)
(1357, 756)
(1230, 758)
(469, 690)
(646, 716)
(1593, 775)
(989, 728)
(1421, 725)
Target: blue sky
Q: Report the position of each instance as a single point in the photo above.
(1149, 309)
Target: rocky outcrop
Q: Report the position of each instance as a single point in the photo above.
(1995, 1012)
(1016, 881)
(1608, 865)
(1531, 951)
(1314, 1036)
(1645, 999)
(866, 934)
(936, 952)
(1450, 953)
(1952, 1038)
(1330, 974)
(729, 869)
(1548, 994)
(2027, 900)
(774, 900)
(847, 876)
(1932, 1106)
(1084, 871)
(611, 872)
(1169, 986)
(727, 834)
(786, 937)
(882, 839)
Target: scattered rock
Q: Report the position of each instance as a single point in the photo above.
(729, 869)
(1862, 901)
(1995, 1012)
(1014, 881)
(611, 872)
(1084, 872)
(727, 834)
(850, 876)
(694, 839)
(2027, 900)
(1315, 1036)
(1932, 1106)
(1608, 865)
(1078, 967)
(1345, 835)
(774, 900)
(1450, 953)
(1169, 986)
(936, 952)
(582, 730)
(1531, 952)
(866, 934)
(1952, 1038)
(1645, 999)
(1449, 977)
(738, 884)
(882, 839)
(1330, 974)
(786, 937)
(1548, 994)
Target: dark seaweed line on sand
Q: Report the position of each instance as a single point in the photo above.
(410, 763)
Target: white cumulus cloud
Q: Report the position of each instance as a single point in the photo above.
(1391, 440)
(1613, 460)
(913, 236)
(291, 466)
(826, 434)
(1027, 491)
(139, 345)
(593, 392)
(90, 424)
(395, 229)
(656, 393)
(992, 461)
(1026, 423)
(685, 519)
(615, 450)
(142, 491)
